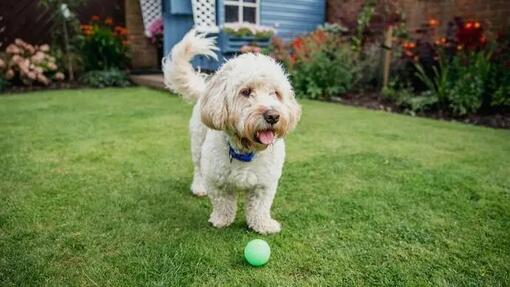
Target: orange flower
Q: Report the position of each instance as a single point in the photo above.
(433, 22)
(94, 18)
(108, 21)
(319, 37)
(477, 25)
(409, 45)
(87, 30)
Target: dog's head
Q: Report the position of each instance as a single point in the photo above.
(252, 100)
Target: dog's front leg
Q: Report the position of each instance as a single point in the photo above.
(224, 204)
(258, 210)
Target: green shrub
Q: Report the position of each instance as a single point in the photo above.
(406, 99)
(498, 84)
(324, 74)
(3, 83)
(104, 47)
(501, 97)
(459, 84)
(321, 65)
(368, 67)
(438, 83)
(105, 78)
(468, 81)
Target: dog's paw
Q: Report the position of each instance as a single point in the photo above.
(198, 189)
(199, 192)
(267, 226)
(220, 220)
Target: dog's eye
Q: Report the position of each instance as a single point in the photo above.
(246, 92)
(278, 95)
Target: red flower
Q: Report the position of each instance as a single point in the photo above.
(298, 43)
(94, 18)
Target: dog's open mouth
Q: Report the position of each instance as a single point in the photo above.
(265, 137)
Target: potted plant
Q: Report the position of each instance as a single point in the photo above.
(234, 36)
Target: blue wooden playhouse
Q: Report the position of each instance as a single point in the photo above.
(288, 18)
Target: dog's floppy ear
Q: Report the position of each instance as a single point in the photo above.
(213, 108)
(294, 110)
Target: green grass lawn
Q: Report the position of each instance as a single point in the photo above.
(94, 191)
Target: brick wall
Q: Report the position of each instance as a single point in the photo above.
(143, 52)
(494, 14)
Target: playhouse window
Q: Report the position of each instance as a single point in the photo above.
(243, 11)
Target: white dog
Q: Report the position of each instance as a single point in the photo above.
(237, 128)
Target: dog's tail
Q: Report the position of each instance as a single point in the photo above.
(178, 72)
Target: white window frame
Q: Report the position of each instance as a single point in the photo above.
(241, 4)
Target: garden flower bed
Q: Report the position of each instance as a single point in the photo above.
(463, 75)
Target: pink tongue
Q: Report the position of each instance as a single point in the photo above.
(266, 137)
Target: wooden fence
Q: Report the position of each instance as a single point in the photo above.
(32, 22)
(24, 19)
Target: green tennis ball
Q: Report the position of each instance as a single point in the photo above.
(257, 252)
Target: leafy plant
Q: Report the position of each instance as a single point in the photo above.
(405, 98)
(321, 65)
(469, 82)
(3, 83)
(105, 78)
(368, 63)
(104, 46)
(333, 28)
(438, 82)
(498, 81)
(364, 17)
(65, 33)
(459, 84)
(324, 74)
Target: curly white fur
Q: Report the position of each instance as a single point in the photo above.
(232, 109)
(179, 74)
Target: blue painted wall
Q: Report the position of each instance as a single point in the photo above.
(292, 17)
(178, 19)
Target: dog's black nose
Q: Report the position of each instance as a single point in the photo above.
(271, 116)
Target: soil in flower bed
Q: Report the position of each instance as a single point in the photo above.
(374, 100)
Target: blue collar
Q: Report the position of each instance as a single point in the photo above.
(244, 157)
